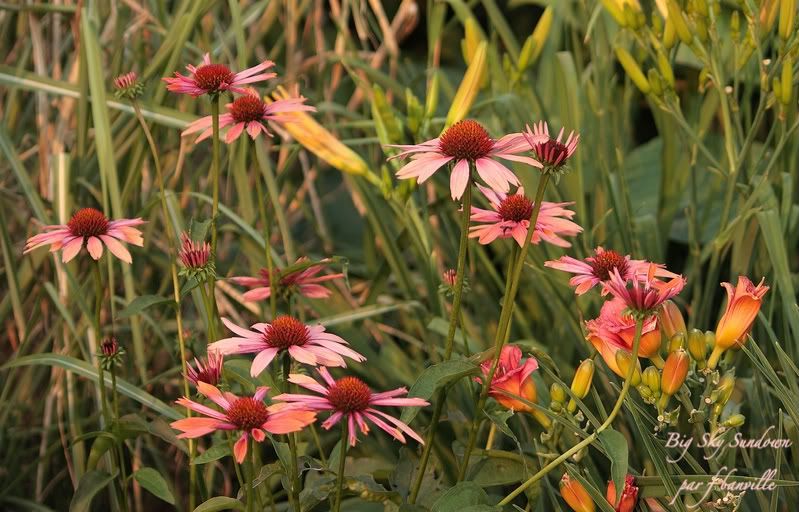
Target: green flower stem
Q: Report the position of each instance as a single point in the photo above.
(98, 305)
(639, 324)
(171, 240)
(214, 207)
(294, 492)
(503, 328)
(441, 396)
(270, 265)
(342, 458)
(250, 471)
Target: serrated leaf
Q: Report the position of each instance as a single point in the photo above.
(435, 377)
(153, 482)
(141, 303)
(617, 450)
(215, 452)
(220, 503)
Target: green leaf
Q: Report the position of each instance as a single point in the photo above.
(220, 503)
(90, 484)
(465, 496)
(616, 448)
(436, 377)
(86, 370)
(215, 452)
(499, 467)
(141, 303)
(152, 480)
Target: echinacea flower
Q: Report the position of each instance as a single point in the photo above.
(208, 370)
(551, 154)
(510, 217)
(614, 330)
(512, 376)
(208, 78)
(743, 304)
(350, 399)
(642, 296)
(596, 269)
(300, 278)
(575, 495)
(111, 353)
(462, 144)
(249, 415)
(90, 228)
(247, 112)
(195, 258)
(628, 498)
(305, 344)
(128, 86)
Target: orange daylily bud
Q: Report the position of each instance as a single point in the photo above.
(671, 319)
(628, 498)
(575, 495)
(674, 372)
(743, 304)
(582, 382)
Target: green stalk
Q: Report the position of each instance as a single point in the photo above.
(639, 324)
(215, 194)
(294, 478)
(175, 289)
(342, 457)
(98, 304)
(441, 396)
(249, 490)
(503, 328)
(270, 265)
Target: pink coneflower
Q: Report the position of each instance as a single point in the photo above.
(210, 78)
(597, 268)
(128, 86)
(350, 398)
(90, 228)
(250, 415)
(614, 330)
(208, 370)
(304, 281)
(463, 143)
(511, 218)
(247, 112)
(450, 277)
(193, 255)
(551, 154)
(306, 344)
(642, 296)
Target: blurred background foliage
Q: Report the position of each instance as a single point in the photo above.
(690, 160)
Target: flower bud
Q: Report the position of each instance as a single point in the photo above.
(534, 44)
(697, 347)
(624, 360)
(575, 495)
(675, 371)
(470, 85)
(627, 499)
(787, 15)
(669, 35)
(664, 66)
(557, 393)
(743, 304)
(676, 342)
(111, 353)
(735, 25)
(768, 14)
(616, 11)
(651, 379)
(680, 25)
(655, 82)
(670, 317)
(581, 383)
(735, 421)
(632, 69)
(128, 86)
(786, 87)
(657, 24)
(723, 392)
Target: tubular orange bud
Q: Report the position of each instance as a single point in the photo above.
(680, 25)
(581, 383)
(628, 497)
(674, 372)
(651, 379)
(787, 15)
(697, 347)
(633, 70)
(743, 304)
(623, 360)
(575, 495)
(676, 342)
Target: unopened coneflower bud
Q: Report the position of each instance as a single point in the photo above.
(624, 360)
(650, 378)
(633, 70)
(450, 277)
(128, 86)
(575, 495)
(735, 421)
(110, 353)
(697, 347)
(674, 372)
(449, 280)
(195, 257)
(676, 342)
(581, 383)
(787, 15)
(676, 16)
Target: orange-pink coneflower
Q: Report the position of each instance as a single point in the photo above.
(249, 415)
(247, 112)
(90, 228)
(305, 344)
(463, 144)
(596, 269)
(303, 280)
(208, 78)
(510, 218)
(351, 400)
